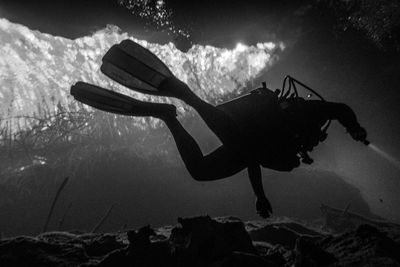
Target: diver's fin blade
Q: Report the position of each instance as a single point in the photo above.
(125, 78)
(102, 99)
(146, 56)
(135, 67)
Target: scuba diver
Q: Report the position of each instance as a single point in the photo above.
(265, 128)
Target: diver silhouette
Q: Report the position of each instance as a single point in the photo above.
(239, 150)
(275, 146)
(259, 130)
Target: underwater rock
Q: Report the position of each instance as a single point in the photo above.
(140, 252)
(284, 234)
(308, 254)
(367, 246)
(275, 235)
(30, 251)
(198, 241)
(203, 241)
(102, 245)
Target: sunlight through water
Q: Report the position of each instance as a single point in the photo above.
(37, 69)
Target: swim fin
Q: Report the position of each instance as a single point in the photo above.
(114, 102)
(135, 67)
(102, 99)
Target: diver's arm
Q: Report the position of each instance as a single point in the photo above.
(343, 114)
(346, 117)
(255, 176)
(263, 206)
(333, 111)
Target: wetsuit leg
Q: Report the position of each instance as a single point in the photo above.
(230, 158)
(218, 121)
(219, 164)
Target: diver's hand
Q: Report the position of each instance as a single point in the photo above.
(358, 133)
(263, 207)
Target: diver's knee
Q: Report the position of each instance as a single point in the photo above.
(205, 174)
(198, 174)
(199, 177)
(283, 166)
(286, 168)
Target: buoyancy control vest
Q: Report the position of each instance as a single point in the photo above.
(278, 126)
(255, 113)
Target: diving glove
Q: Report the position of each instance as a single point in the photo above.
(358, 133)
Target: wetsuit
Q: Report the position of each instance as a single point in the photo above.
(270, 145)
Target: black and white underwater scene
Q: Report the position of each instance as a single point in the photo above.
(199, 133)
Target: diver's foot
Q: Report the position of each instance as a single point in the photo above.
(174, 87)
(164, 112)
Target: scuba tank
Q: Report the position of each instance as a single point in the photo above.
(254, 113)
(260, 122)
(275, 116)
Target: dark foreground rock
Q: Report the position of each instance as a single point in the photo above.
(202, 241)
